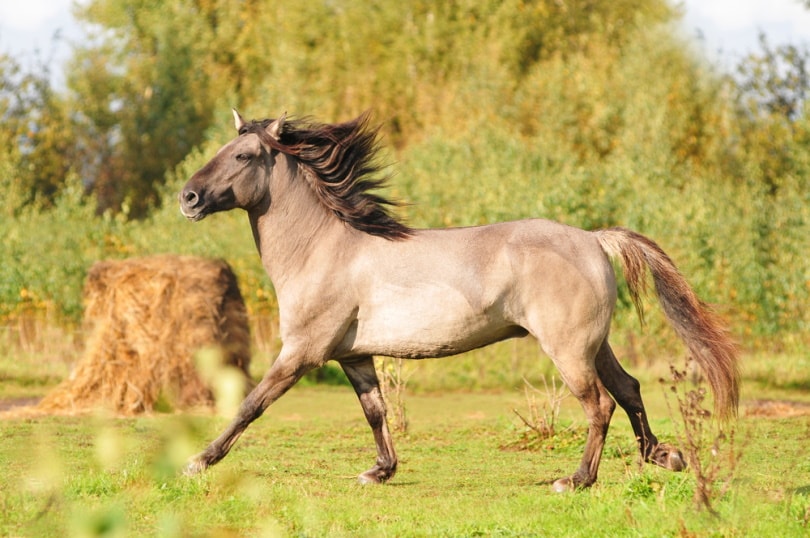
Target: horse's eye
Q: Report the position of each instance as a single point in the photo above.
(243, 157)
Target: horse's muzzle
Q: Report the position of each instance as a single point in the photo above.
(191, 204)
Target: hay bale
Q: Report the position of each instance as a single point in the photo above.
(145, 319)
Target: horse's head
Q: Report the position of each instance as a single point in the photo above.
(238, 176)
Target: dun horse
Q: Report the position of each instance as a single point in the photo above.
(352, 282)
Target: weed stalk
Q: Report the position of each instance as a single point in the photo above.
(711, 454)
(393, 382)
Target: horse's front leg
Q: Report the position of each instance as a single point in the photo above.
(285, 372)
(363, 377)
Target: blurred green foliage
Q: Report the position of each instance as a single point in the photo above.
(37, 146)
(593, 113)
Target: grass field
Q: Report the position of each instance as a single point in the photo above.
(293, 472)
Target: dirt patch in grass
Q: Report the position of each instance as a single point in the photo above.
(11, 403)
(776, 408)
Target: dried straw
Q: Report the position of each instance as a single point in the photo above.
(145, 319)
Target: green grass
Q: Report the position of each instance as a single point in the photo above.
(293, 472)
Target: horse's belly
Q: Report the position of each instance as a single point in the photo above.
(418, 327)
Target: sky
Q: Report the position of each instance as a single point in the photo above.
(725, 29)
(731, 28)
(27, 28)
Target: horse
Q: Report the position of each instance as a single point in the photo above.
(354, 281)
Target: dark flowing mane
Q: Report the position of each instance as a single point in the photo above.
(340, 159)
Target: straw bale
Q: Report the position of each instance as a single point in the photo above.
(145, 318)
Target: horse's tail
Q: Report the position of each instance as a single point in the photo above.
(703, 332)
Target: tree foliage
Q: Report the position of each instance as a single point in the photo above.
(150, 80)
(37, 143)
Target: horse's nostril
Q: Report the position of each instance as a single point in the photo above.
(191, 198)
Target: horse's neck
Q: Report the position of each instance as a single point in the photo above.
(292, 225)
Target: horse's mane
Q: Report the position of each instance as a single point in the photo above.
(343, 170)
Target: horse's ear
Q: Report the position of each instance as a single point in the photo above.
(277, 127)
(238, 122)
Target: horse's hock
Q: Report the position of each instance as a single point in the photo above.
(145, 320)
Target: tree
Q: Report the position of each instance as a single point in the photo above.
(36, 138)
(772, 91)
(147, 84)
(156, 70)
(775, 81)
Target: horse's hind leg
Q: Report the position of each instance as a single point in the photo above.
(626, 389)
(363, 377)
(582, 380)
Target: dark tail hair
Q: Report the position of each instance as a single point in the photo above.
(703, 332)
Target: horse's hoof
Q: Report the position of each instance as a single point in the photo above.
(376, 475)
(368, 478)
(563, 485)
(668, 457)
(676, 462)
(194, 467)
